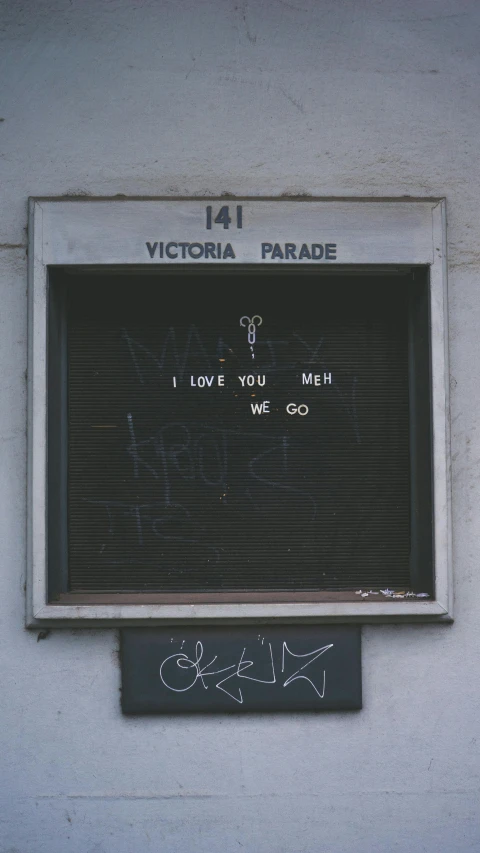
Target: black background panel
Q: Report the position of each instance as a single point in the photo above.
(173, 487)
(241, 668)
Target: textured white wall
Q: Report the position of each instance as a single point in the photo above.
(165, 97)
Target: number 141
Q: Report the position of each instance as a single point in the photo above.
(223, 217)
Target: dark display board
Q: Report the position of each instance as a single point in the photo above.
(261, 668)
(238, 431)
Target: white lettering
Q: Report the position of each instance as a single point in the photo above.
(293, 409)
(174, 381)
(261, 408)
(221, 381)
(317, 379)
(201, 381)
(250, 380)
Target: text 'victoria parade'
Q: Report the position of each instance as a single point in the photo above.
(159, 250)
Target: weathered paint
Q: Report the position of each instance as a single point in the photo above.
(305, 97)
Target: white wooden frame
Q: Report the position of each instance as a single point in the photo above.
(105, 232)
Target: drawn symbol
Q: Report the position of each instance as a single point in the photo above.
(252, 323)
(309, 657)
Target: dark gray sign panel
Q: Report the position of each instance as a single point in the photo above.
(213, 451)
(246, 668)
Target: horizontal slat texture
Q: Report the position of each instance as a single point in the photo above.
(184, 488)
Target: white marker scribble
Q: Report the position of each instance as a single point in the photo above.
(183, 662)
(190, 670)
(313, 657)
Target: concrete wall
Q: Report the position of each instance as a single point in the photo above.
(329, 97)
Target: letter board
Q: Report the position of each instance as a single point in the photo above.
(234, 433)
